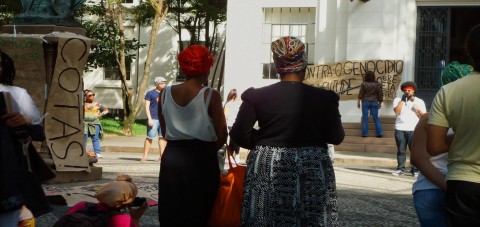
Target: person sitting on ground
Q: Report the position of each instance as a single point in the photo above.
(429, 189)
(116, 196)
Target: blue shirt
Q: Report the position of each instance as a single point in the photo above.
(153, 97)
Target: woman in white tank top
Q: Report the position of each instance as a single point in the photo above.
(194, 125)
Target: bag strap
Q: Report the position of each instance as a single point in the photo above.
(209, 96)
(25, 139)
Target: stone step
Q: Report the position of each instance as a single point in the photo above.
(371, 126)
(367, 159)
(375, 148)
(384, 119)
(371, 133)
(369, 140)
(380, 148)
(353, 147)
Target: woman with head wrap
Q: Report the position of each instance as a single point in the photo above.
(456, 106)
(429, 188)
(114, 197)
(289, 179)
(193, 123)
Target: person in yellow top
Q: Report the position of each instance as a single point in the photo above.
(456, 106)
(92, 126)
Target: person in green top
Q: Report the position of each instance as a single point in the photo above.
(456, 106)
(92, 126)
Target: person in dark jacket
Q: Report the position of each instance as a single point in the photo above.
(20, 192)
(289, 179)
(371, 96)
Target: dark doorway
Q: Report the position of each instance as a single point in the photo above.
(441, 32)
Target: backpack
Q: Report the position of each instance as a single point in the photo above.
(88, 217)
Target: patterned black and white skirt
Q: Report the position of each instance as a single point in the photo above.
(289, 187)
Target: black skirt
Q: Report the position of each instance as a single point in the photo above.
(188, 183)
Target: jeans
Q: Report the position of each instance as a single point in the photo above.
(403, 138)
(430, 207)
(371, 106)
(155, 130)
(95, 139)
(10, 218)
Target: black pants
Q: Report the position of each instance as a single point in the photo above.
(462, 203)
(188, 183)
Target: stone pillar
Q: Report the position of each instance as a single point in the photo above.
(50, 42)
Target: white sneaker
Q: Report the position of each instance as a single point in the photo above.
(99, 155)
(398, 173)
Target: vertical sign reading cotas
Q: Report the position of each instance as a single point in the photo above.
(64, 123)
(345, 77)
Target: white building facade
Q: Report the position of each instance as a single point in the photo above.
(424, 34)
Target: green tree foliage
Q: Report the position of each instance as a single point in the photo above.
(105, 23)
(9, 9)
(196, 15)
(99, 27)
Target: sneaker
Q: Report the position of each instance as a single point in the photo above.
(99, 155)
(415, 174)
(398, 173)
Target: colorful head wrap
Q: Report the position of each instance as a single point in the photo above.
(195, 60)
(454, 71)
(118, 193)
(289, 55)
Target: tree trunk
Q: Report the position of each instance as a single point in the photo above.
(129, 120)
(118, 15)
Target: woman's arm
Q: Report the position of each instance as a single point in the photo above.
(437, 140)
(333, 121)
(103, 110)
(243, 133)
(360, 94)
(215, 110)
(380, 95)
(421, 159)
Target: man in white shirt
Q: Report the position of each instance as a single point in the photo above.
(408, 109)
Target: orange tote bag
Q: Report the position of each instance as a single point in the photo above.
(227, 210)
